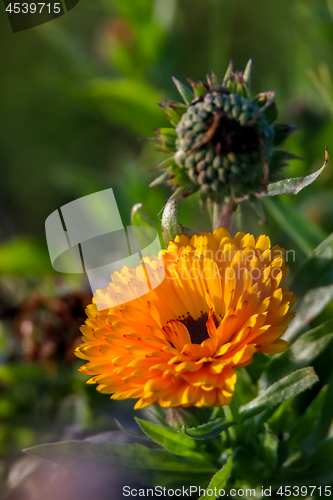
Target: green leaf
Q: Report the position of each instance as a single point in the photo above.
(312, 304)
(219, 479)
(306, 234)
(24, 256)
(150, 466)
(270, 447)
(294, 185)
(184, 91)
(172, 440)
(307, 422)
(301, 353)
(127, 102)
(285, 388)
(209, 430)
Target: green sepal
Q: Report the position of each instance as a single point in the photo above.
(183, 191)
(173, 110)
(227, 74)
(199, 88)
(166, 139)
(282, 132)
(267, 99)
(184, 91)
(163, 164)
(280, 159)
(161, 179)
(208, 430)
(247, 74)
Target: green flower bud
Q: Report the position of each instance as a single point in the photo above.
(221, 138)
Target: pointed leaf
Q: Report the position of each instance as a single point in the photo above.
(285, 388)
(172, 440)
(219, 479)
(209, 430)
(294, 185)
(184, 91)
(149, 466)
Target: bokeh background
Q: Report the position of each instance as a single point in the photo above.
(76, 94)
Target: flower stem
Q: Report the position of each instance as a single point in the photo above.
(223, 215)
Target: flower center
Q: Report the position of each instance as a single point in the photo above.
(196, 328)
(228, 136)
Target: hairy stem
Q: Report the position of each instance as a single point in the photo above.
(223, 215)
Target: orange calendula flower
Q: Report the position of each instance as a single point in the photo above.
(220, 302)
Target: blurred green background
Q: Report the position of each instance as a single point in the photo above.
(76, 94)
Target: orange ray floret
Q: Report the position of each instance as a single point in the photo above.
(178, 345)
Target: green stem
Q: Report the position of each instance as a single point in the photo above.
(223, 215)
